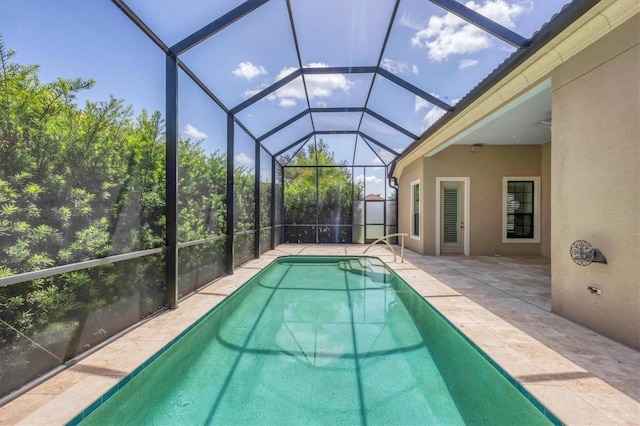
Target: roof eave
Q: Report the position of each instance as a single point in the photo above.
(556, 26)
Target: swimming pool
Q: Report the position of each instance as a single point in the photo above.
(319, 340)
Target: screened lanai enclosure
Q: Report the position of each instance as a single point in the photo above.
(149, 148)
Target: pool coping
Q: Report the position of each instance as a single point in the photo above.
(589, 401)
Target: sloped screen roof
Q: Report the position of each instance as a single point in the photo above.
(367, 76)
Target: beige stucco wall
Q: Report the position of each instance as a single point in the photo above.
(412, 173)
(485, 169)
(595, 191)
(545, 200)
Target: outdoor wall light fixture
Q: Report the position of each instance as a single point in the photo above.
(583, 254)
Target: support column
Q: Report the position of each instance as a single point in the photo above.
(317, 198)
(171, 165)
(230, 193)
(272, 220)
(281, 206)
(257, 201)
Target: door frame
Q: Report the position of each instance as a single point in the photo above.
(467, 223)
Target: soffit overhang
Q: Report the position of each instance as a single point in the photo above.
(591, 26)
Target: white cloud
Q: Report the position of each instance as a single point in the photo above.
(411, 21)
(318, 86)
(432, 116)
(249, 93)
(502, 12)
(393, 66)
(285, 72)
(287, 102)
(449, 35)
(420, 103)
(467, 63)
(414, 69)
(192, 132)
(321, 104)
(248, 70)
(433, 112)
(244, 159)
(368, 179)
(323, 85)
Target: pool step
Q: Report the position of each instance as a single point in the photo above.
(353, 265)
(377, 273)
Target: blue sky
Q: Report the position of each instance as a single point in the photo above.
(428, 47)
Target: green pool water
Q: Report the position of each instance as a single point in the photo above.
(319, 340)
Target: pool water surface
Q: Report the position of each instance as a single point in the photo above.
(320, 340)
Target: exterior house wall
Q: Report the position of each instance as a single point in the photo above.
(595, 190)
(545, 199)
(486, 169)
(412, 173)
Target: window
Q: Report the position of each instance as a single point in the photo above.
(521, 210)
(415, 209)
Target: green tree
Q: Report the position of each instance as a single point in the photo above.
(321, 194)
(201, 192)
(76, 183)
(202, 210)
(82, 182)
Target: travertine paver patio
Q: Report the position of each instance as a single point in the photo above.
(502, 304)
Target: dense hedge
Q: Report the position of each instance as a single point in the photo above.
(322, 194)
(80, 182)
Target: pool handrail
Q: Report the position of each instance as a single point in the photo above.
(385, 239)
